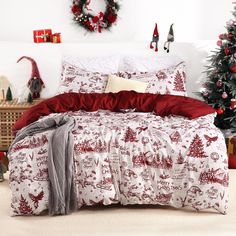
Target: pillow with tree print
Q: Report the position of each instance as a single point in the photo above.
(171, 80)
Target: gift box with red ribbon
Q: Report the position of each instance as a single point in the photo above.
(42, 36)
(55, 38)
(231, 149)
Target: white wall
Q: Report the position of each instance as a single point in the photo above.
(193, 19)
(197, 24)
(49, 56)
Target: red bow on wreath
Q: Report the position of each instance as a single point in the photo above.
(98, 23)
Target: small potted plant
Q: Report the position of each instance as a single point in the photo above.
(3, 168)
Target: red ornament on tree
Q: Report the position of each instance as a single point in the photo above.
(230, 35)
(224, 95)
(233, 68)
(219, 83)
(220, 111)
(232, 103)
(226, 51)
(219, 43)
(221, 36)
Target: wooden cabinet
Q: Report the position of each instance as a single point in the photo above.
(10, 112)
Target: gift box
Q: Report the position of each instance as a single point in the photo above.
(55, 38)
(231, 149)
(42, 36)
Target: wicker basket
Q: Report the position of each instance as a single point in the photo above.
(10, 112)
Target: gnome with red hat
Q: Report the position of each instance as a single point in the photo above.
(155, 38)
(35, 83)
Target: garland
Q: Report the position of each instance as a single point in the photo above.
(94, 23)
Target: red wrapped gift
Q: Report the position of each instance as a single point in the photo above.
(42, 36)
(56, 38)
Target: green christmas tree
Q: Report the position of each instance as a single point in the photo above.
(220, 87)
(9, 94)
(30, 98)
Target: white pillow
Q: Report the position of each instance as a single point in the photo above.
(105, 65)
(148, 63)
(116, 84)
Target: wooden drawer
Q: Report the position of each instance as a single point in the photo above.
(8, 117)
(10, 112)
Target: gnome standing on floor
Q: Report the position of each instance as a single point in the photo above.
(35, 83)
(170, 39)
(155, 38)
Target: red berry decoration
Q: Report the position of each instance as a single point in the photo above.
(220, 111)
(95, 23)
(95, 19)
(233, 68)
(75, 9)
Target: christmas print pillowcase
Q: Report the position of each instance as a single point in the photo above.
(171, 80)
(78, 81)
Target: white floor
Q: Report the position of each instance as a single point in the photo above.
(121, 220)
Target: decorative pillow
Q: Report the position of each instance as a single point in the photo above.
(116, 84)
(78, 81)
(148, 63)
(105, 65)
(167, 81)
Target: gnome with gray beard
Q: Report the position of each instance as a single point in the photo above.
(35, 83)
(170, 39)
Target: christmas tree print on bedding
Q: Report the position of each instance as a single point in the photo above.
(128, 158)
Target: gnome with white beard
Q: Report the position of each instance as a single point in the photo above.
(35, 83)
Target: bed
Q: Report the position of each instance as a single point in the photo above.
(121, 148)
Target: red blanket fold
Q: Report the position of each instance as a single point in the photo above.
(162, 105)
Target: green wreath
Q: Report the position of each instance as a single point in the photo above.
(95, 23)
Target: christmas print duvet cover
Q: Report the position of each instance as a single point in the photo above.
(128, 158)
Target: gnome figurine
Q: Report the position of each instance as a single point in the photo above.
(170, 39)
(35, 83)
(155, 38)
